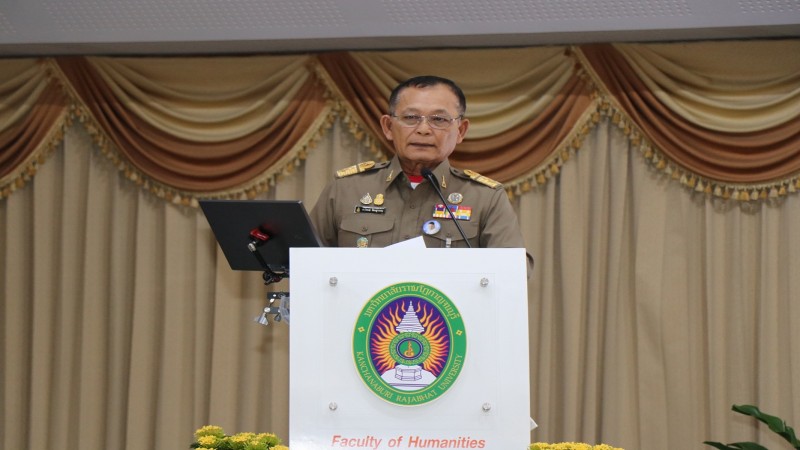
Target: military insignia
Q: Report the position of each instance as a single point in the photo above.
(352, 170)
(378, 200)
(409, 344)
(362, 242)
(460, 212)
(463, 212)
(475, 176)
(366, 199)
(431, 227)
(455, 198)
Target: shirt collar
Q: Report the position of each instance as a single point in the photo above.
(395, 171)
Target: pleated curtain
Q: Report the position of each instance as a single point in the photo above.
(655, 185)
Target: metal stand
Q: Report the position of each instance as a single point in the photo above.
(278, 302)
(278, 308)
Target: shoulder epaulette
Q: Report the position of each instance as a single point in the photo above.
(478, 178)
(360, 167)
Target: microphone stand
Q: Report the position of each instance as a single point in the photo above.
(432, 179)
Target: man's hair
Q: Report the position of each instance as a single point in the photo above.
(428, 81)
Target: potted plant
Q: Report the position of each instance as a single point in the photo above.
(775, 424)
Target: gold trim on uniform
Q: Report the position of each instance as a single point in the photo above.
(352, 170)
(366, 165)
(475, 176)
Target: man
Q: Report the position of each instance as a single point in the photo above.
(379, 204)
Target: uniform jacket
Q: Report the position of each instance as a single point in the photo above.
(374, 205)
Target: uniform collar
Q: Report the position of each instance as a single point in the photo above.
(395, 171)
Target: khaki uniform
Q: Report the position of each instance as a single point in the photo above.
(373, 205)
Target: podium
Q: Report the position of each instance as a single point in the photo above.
(398, 347)
(409, 348)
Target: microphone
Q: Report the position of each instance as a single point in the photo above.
(428, 175)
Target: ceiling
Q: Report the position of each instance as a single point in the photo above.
(113, 27)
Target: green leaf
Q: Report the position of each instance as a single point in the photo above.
(749, 446)
(719, 445)
(775, 424)
(737, 446)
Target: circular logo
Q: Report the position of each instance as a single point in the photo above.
(409, 344)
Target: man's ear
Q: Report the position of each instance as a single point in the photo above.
(386, 126)
(463, 126)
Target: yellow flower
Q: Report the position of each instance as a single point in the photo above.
(207, 441)
(243, 437)
(570, 446)
(209, 430)
(211, 437)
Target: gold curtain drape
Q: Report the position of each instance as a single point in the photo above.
(225, 129)
(721, 117)
(32, 114)
(757, 133)
(653, 307)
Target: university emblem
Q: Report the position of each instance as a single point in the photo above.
(409, 344)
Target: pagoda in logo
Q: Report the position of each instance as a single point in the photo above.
(409, 349)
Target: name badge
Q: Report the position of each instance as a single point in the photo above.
(371, 209)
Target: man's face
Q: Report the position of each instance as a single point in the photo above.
(422, 145)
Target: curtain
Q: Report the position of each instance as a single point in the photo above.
(122, 324)
(665, 279)
(721, 121)
(651, 311)
(719, 117)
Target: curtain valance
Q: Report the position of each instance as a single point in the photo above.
(719, 117)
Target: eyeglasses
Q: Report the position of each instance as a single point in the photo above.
(435, 121)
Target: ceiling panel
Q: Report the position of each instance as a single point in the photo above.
(243, 26)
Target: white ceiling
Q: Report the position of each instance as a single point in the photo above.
(57, 27)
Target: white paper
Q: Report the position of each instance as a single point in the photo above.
(416, 242)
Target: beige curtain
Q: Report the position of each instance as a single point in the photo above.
(656, 185)
(652, 310)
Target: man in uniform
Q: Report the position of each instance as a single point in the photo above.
(378, 204)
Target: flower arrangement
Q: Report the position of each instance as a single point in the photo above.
(570, 446)
(211, 437)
